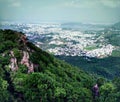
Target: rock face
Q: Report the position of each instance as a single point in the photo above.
(24, 39)
(25, 59)
(26, 62)
(31, 67)
(13, 62)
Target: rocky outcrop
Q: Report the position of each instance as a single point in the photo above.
(26, 62)
(31, 67)
(25, 59)
(13, 62)
(24, 39)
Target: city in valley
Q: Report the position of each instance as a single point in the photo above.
(67, 39)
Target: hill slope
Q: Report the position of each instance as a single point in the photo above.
(108, 67)
(28, 74)
(116, 26)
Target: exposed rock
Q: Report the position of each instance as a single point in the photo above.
(31, 67)
(24, 39)
(13, 60)
(25, 61)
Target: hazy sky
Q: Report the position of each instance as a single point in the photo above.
(87, 11)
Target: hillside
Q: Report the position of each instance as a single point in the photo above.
(108, 67)
(28, 74)
(113, 34)
(116, 26)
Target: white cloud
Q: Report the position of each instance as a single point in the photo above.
(111, 3)
(92, 3)
(81, 4)
(14, 3)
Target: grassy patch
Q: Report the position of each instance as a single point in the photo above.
(116, 53)
(90, 48)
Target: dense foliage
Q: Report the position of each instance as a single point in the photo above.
(52, 80)
(108, 67)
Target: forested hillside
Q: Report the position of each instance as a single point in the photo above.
(28, 74)
(108, 67)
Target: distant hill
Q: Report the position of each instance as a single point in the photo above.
(113, 34)
(28, 74)
(116, 26)
(108, 67)
(83, 26)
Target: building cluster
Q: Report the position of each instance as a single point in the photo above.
(69, 42)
